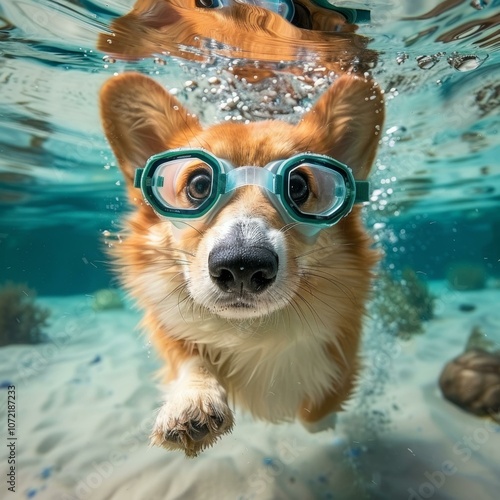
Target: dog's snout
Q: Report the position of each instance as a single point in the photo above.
(236, 269)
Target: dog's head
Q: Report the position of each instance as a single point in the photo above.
(245, 261)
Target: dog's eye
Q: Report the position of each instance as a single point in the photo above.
(299, 187)
(199, 185)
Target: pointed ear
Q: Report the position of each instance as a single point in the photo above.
(346, 122)
(140, 118)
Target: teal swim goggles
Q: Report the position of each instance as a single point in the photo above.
(286, 8)
(184, 185)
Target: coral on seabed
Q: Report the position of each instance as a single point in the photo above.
(107, 298)
(464, 276)
(21, 320)
(404, 304)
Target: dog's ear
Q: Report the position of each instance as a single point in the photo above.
(140, 118)
(346, 122)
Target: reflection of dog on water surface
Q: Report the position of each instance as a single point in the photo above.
(241, 30)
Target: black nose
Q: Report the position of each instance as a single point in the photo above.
(234, 268)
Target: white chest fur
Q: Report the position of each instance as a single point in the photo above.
(271, 370)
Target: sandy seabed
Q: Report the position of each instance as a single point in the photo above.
(85, 402)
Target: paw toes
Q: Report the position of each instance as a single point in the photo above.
(198, 431)
(216, 422)
(173, 436)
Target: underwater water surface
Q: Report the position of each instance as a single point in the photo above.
(434, 209)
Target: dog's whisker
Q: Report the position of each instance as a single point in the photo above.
(339, 268)
(176, 290)
(179, 303)
(332, 306)
(314, 314)
(310, 252)
(316, 294)
(331, 249)
(173, 261)
(194, 228)
(291, 299)
(346, 290)
(180, 250)
(288, 226)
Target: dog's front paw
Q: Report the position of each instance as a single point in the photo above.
(192, 419)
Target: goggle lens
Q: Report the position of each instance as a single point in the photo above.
(183, 184)
(315, 190)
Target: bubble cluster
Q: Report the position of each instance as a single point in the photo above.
(460, 62)
(237, 93)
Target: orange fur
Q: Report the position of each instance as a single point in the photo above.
(298, 355)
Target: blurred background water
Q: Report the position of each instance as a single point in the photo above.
(436, 184)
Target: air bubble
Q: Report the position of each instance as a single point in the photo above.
(213, 80)
(426, 62)
(190, 85)
(402, 57)
(465, 63)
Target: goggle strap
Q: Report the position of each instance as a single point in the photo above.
(351, 15)
(362, 191)
(138, 177)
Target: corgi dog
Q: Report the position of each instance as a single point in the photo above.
(247, 253)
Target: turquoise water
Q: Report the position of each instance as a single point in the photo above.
(438, 170)
(437, 176)
(435, 186)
